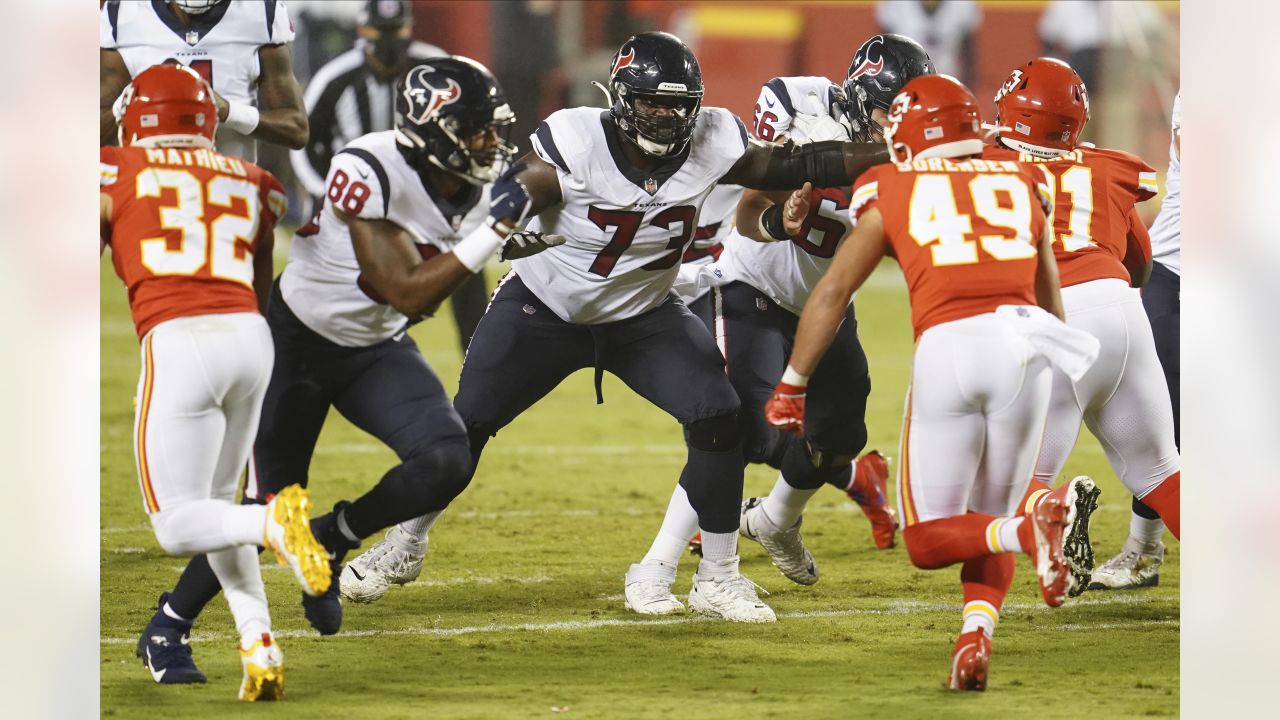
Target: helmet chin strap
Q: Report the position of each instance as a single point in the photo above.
(191, 9)
(652, 147)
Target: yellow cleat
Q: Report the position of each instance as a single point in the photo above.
(263, 671)
(288, 535)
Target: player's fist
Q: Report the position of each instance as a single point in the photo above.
(523, 243)
(796, 210)
(509, 201)
(785, 409)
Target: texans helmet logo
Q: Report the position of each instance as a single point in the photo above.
(622, 61)
(423, 105)
(872, 49)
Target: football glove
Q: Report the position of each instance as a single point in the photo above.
(509, 201)
(785, 409)
(524, 243)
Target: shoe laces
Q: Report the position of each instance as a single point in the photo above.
(739, 587)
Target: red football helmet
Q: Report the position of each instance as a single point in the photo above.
(1042, 108)
(168, 104)
(933, 116)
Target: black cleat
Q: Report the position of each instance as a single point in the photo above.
(324, 612)
(165, 650)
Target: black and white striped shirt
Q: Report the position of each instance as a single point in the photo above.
(345, 100)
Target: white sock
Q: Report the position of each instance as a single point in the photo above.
(785, 504)
(206, 526)
(718, 547)
(1002, 535)
(1144, 532)
(678, 527)
(418, 527)
(723, 567)
(241, 579)
(980, 614)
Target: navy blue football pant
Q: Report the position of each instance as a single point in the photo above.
(1162, 299)
(521, 351)
(757, 335)
(387, 390)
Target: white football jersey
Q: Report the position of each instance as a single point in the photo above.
(1166, 233)
(788, 271)
(221, 44)
(321, 283)
(626, 230)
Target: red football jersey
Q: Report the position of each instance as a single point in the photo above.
(1095, 191)
(965, 233)
(184, 227)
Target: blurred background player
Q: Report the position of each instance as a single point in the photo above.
(769, 266)
(191, 235)
(628, 184)
(246, 61)
(1103, 253)
(382, 255)
(1138, 563)
(981, 374)
(354, 95)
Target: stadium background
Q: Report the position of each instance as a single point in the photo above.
(518, 611)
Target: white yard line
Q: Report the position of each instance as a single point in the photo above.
(898, 608)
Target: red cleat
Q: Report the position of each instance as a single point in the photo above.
(970, 661)
(1047, 526)
(695, 545)
(868, 490)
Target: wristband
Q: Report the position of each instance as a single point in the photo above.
(791, 377)
(476, 249)
(241, 117)
(771, 224)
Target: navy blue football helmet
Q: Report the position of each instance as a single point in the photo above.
(878, 72)
(656, 89)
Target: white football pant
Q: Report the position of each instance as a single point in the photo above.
(1122, 398)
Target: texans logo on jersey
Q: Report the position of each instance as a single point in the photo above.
(423, 105)
(869, 66)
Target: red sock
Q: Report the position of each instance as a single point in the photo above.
(1036, 490)
(938, 543)
(986, 580)
(1166, 500)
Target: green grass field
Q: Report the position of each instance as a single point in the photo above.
(518, 612)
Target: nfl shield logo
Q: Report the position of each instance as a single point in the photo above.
(193, 37)
(761, 304)
(651, 186)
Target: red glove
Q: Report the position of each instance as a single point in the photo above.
(785, 409)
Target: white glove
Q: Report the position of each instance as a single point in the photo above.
(816, 128)
(524, 243)
(117, 107)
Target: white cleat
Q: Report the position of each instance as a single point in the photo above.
(720, 591)
(1135, 567)
(648, 589)
(394, 560)
(263, 664)
(785, 547)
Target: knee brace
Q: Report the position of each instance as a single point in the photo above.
(714, 434)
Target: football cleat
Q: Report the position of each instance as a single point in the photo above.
(263, 670)
(1081, 498)
(868, 490)
(394, 560)
(288, 535)
(970, 661)
(648, 589)
(166, 652)
(1049, 523)
(785, 547)
(720, 591)
(695, 545)
(1135, 567)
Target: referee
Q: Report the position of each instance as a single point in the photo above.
(353, 95)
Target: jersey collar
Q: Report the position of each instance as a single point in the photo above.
(648, 181)
(200, 24)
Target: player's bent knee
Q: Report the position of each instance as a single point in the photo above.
(714, 434)
(441, 473)
(170, 533)
(922, 545)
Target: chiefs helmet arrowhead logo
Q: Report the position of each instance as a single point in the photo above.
(423, 105)
(868, 66)
(622, 61)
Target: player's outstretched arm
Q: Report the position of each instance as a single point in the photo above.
(1048, 290)
(390, 261)
(830, 163)
(113, 78)
(283, 117)
(825, 309)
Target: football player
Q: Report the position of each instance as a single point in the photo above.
(762, 280)
(382, 254)
(1103, 254)
(190, 232)
(237, 47)
(625, 186)
(1138, 563)
(971, 237)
